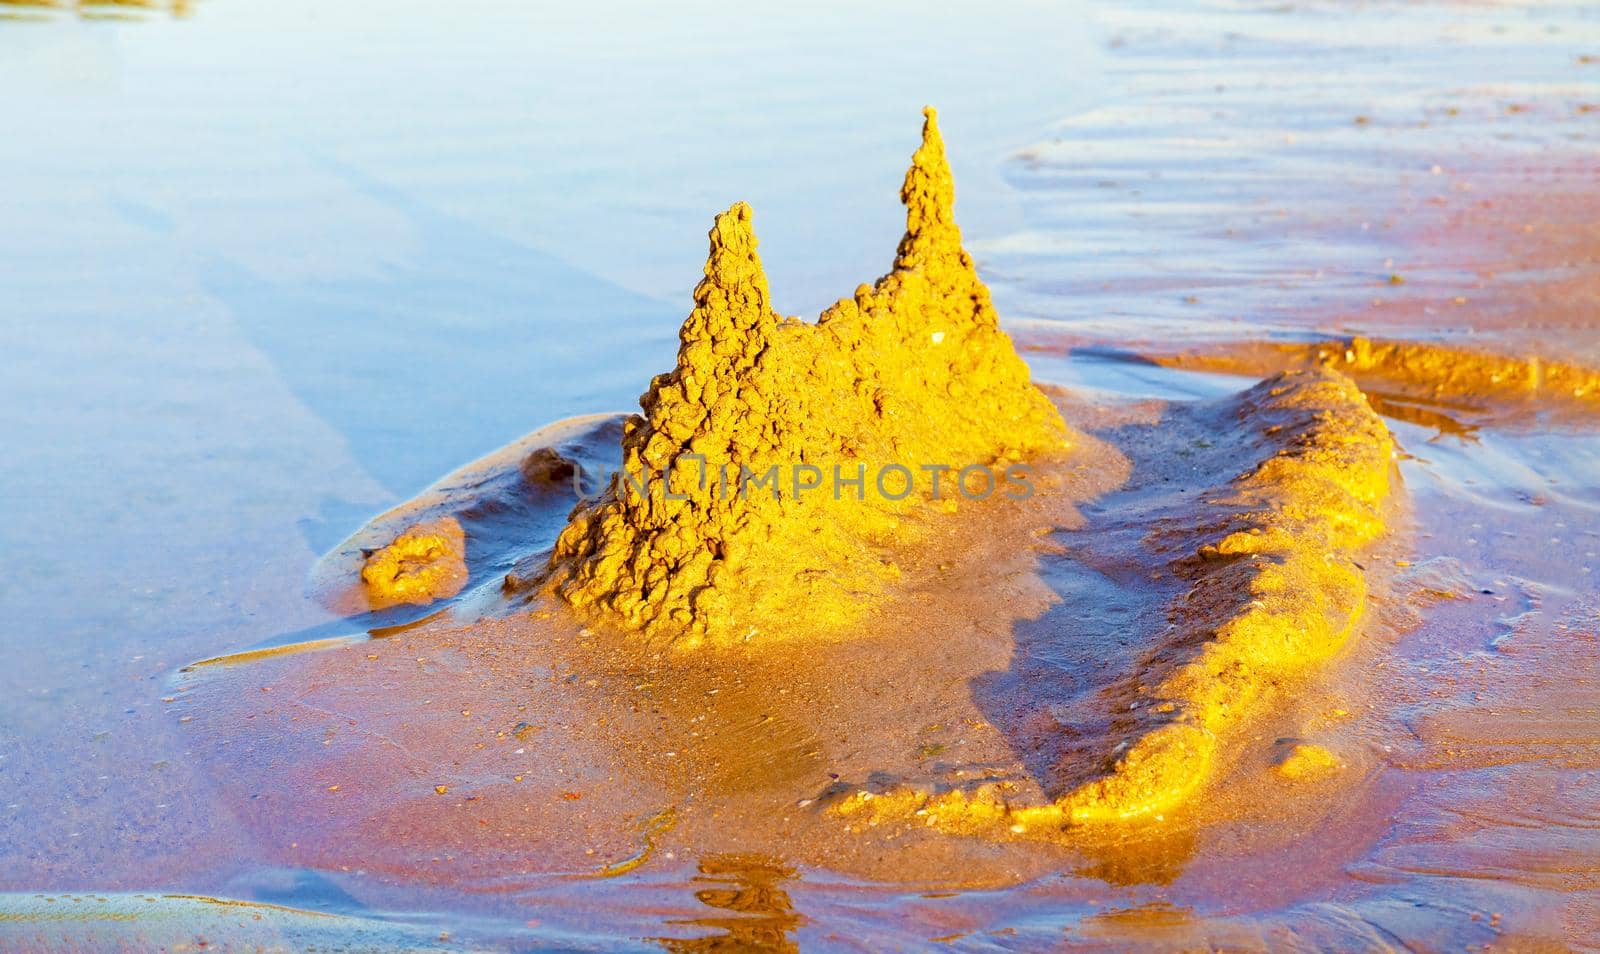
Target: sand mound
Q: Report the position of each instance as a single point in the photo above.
(425, 563)
(782, 463)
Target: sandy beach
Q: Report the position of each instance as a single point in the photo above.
(345, 614)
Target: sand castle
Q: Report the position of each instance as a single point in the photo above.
(912, 373)
(783, 473)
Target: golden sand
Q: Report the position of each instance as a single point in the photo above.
(689, 545)
(913, 371)
(425, 563)
(1305, 760)
(1277, 591)
(1501, 387)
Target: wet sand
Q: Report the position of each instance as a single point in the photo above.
(452, 754)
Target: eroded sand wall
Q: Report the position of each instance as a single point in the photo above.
(1273, 587)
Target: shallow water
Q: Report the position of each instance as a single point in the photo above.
(273, 268)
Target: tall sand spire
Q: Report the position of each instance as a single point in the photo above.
(734, 291)
(929, 195)
(731, 324)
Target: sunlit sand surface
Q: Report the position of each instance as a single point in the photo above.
(1010, 668)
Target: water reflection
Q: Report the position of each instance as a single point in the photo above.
(1151, 923)
(95, 9)
(1415, 412)
(1157, 860)
(760, 915)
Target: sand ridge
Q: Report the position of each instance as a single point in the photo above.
(1272, 588)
